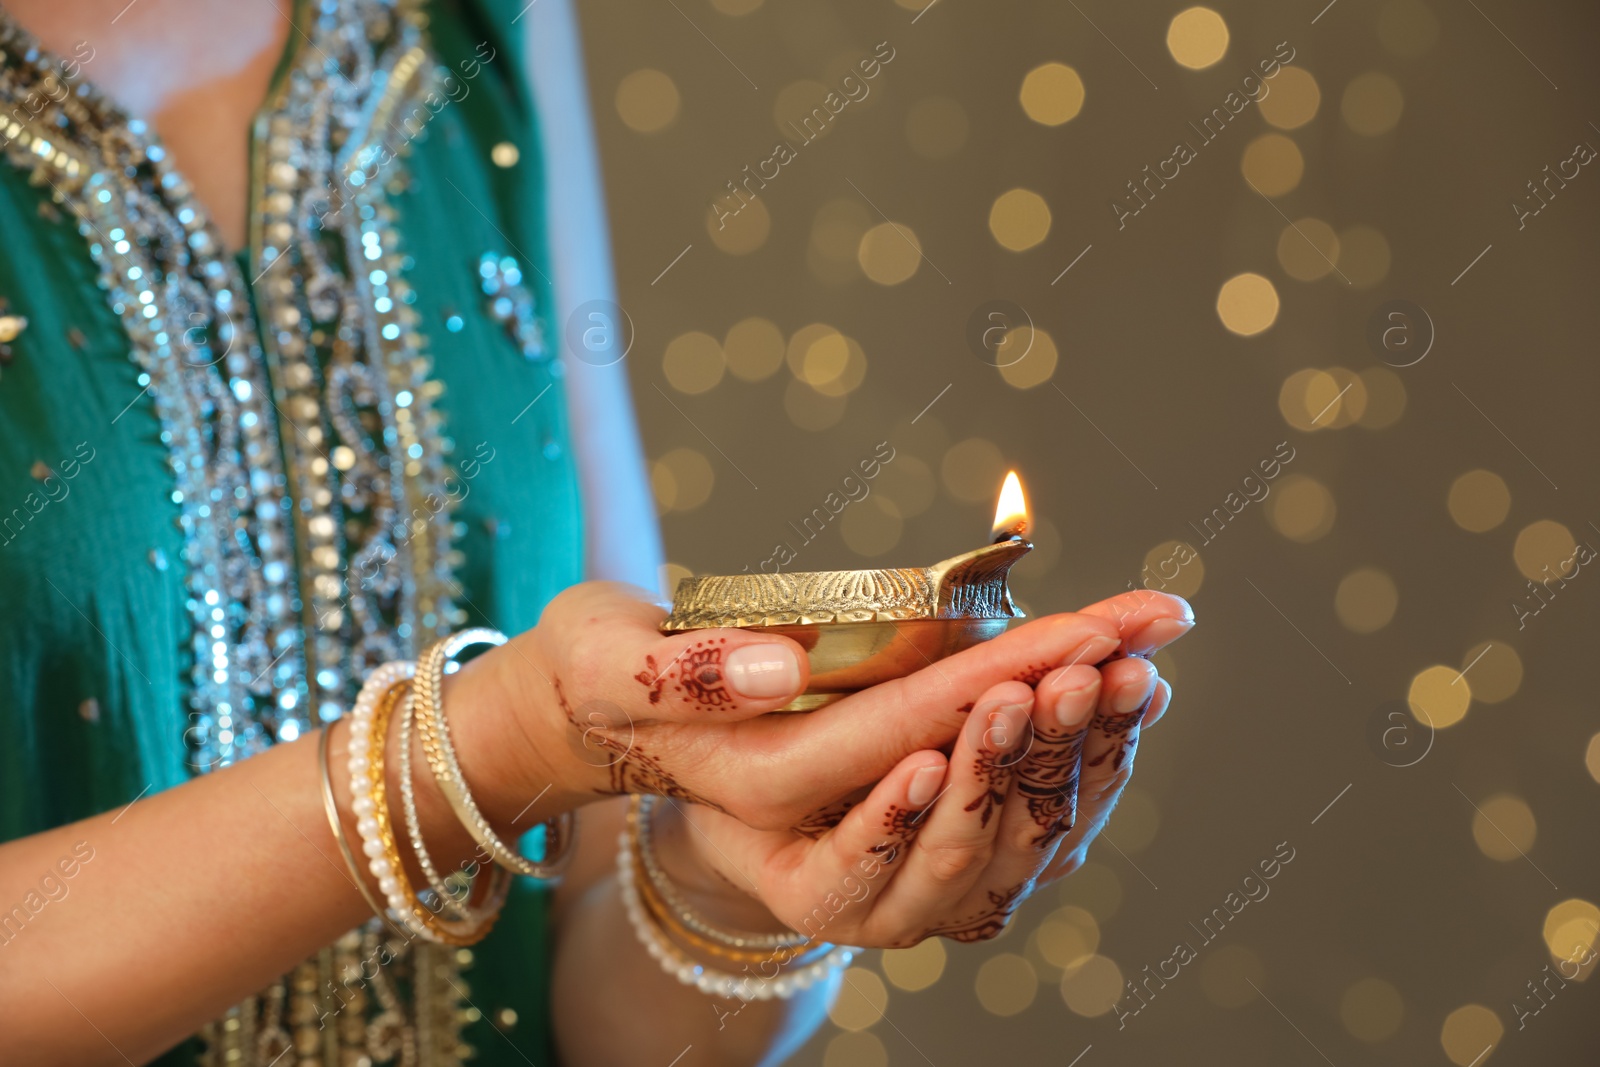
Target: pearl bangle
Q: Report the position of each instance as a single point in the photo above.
(440, 751)
(384, 690)
(708, 980)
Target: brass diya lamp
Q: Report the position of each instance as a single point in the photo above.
(863, 627)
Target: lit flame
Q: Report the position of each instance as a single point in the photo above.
(1011, 513)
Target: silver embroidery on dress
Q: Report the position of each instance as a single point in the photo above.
(308, 458)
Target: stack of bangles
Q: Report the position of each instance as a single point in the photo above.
(461, 907)
(407, 696)
(772, 965)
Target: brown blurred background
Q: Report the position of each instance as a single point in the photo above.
(1336, 270)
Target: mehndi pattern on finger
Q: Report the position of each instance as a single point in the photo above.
(1048, 781)
(696, 673)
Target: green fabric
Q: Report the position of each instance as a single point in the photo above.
(94, 638)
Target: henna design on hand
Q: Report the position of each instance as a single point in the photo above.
(902, 825)
(696, 673)
(1035, 674)
(1120, 728)
(634, 770)
(1048, 781)
(995, 770)
(819, 822)
(987, 923)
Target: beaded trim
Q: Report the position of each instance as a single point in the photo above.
(323, 400)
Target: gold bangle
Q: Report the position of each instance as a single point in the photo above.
(331, 807)
(664, 917)
(402, 898)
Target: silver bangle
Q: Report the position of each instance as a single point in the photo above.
(434, 730)
(668, 892)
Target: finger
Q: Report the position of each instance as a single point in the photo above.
(1158, 704)
(1127, 690)
(1046, 791)
(616, 655)
(956, 842)
(860, 737)
(1147, 620)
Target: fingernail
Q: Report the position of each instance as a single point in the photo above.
(1134, 697)
(1149, 718)
(1073, 713)
(1000, 728)
(1158, 634)
(924, 786)
(763, 671)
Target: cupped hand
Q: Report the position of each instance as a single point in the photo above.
(952, 845)
(601, 702)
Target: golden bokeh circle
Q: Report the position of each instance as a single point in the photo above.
(693, 362)
(800, 343)
(1051, 94)
(1272, 164)
(1247, 304)
(1197, 37)
(1363, 256)
(1591, 758)
(1019, 219)
(1068, 936)
(1479, 500)
(1439, 696)
(1407, 28)
(1093, 987)
(1372, 104)
(917, 967)
(1006, 984)
(889, 253)
(739, 232)
(1226, 974)
(1306, 394)
(863, 998)
(1293, 99)
(1095, 888)
(1570, 929)
(1371, 1010)
(1174, 567)
(647, 100)
(754, 349)
(1545, 551)
(682, 479)
(972, 469)
(811, 410)
(936, 127)
(1366, 600)
(1504, 827)
(855, 1049)
(871, 527)
(1301, 509)
(1386, 398)
(830, 376)
(1308, 249)
(1495, 670)
(1037, 363)
(1468, 1033)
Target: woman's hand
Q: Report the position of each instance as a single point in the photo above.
(952, 846)
(596, 701)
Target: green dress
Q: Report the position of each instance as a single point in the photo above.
(230, 486)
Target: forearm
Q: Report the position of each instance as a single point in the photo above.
(189, 900)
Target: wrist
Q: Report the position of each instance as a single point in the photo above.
(511, 742)
(690, 860)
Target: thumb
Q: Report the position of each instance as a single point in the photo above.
(617, 653)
